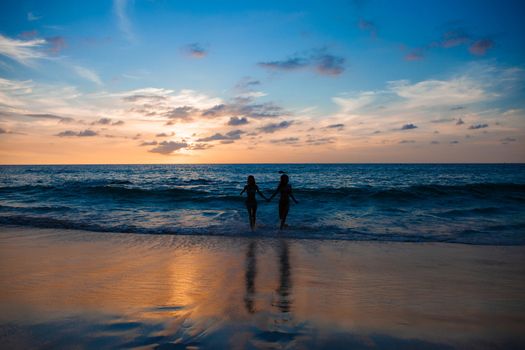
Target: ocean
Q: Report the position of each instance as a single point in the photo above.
(457, 203)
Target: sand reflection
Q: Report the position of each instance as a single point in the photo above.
(147, 291)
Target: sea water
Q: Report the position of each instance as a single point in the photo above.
(460, 203)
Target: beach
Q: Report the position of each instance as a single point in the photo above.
(79, 289)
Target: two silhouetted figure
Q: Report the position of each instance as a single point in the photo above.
(285, 191)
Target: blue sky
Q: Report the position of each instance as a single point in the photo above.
(342, 81)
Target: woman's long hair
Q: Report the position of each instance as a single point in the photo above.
(284, 180)
(251, 181)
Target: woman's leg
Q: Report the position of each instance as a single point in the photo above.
(283, 212)
(254, 214)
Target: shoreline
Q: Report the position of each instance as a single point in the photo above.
(238, 292)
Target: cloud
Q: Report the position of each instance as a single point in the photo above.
(163, 134)
(168, 147)
(368, 26)
(507, 140)
(102, 121)
(23, 52)
(312, 141)
(330, 64)
(415, 55)
(408, 127)
(434, 142)
(246, 83)
(442, 120)
(407, 141)
(459, 90)
(460, 122)
(273, 127)
(229, 136)
(454, 142)
(51, 116)
(189, 105)
(215, 111)
(238, 121)
(286, 65)
(286, 140)
(148, 143)
(199, 146)
(318, 59)
(143, 98)
(452, 38)
(57, 43)
(335, 126)
(195, 50)
(180, 113)
(88, 74)
(32, 17)
(478, 126)
(258, 111)
(84, 133)
(124, 24)
(480, 47)
(107, 121)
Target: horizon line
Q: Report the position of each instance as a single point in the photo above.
(277, 163)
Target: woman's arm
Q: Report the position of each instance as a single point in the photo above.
(274, 193)
(243, 191)
(261, 194)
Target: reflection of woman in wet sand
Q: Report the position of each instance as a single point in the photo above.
(251, 272)
(284, 303)
(285, 191)
(251, 203)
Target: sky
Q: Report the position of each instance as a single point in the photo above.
(362, 81)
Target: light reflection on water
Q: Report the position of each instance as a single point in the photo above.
(60, 289)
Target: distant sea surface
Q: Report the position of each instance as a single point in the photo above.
(460, 203)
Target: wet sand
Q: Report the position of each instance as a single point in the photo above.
(76, 289)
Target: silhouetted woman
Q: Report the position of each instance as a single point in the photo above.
(285, 191)
(251, 203)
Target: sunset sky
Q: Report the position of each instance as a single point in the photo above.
(261, 81)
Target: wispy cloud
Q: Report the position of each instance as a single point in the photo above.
(57, 43)
(88, 74)
(286, 141)
(318, 59)
(246, 84)
(148, 143)
(168, 147)
(21, 51)
(480, 47)
(51, 117)
(107, 122)
(121, 7)
(229, 136)
(195, 50)
(408, 127)
(415, 55)
(238, 121)
(453, 36)
(478, 126)
(368, 26)
(273, 127)
(84, 133)
(31, 17)
(338, 126)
